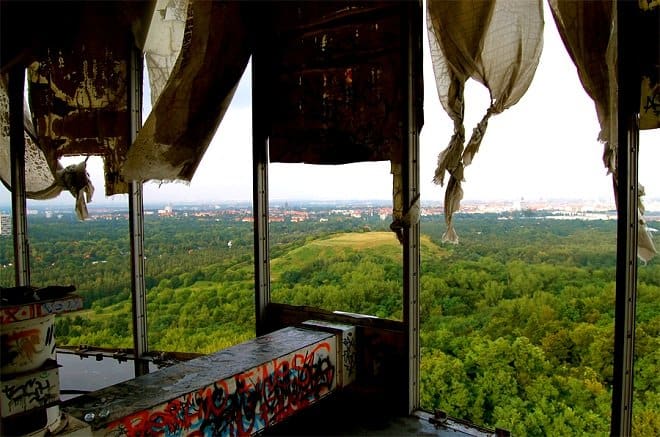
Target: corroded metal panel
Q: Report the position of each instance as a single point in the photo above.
(336, 82)
(237, 391)
(78, 90)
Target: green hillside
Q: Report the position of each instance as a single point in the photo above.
(354, 272)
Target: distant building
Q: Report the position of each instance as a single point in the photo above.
(167, 212)
(5, 224)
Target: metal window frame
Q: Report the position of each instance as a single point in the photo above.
(627, 116)
(136, 224)
(411, 195)
(16, 94)
(412, 20)
(260, 209)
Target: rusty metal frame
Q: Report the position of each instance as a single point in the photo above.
(260, 185)
(411, 194)
(16, 94)
(628, 79)
(136, 224)
(626, 276)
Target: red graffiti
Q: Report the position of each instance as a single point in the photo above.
(243, 404)
(20, 344)
(15, 314)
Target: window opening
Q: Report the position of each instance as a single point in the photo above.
(331, 245)
(199, 247)
(517, 319)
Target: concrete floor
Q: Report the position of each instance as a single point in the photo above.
(337, 417)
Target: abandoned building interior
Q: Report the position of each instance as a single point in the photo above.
(333, 82)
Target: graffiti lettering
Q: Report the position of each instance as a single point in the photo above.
(348, 354)
(653, 103)
(33, 391)
(12, 314)
(243, 404)
(61, 306)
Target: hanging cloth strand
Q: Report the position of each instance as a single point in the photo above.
(215, 51)
(75, 179)
(44, 178)
(498, 44)
(588, 30)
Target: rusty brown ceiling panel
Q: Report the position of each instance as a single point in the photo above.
(77, 55)
(28, 26)
(336, 82)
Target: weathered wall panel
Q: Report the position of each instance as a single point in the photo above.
(237, 391)
(36, 389)
(336, 82)
(26, 345)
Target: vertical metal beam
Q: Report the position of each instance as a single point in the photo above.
(17, 156)
(627, 224)
(136, 225)
(260, 188)
(410, 171)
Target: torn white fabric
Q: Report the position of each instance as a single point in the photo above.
(589, 33)
(163, 43)
(75, 179)
(41, 181)
(215, 52)
(497, 43)
(403, 217)
(645, 247)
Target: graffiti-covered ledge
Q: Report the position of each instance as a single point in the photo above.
(237, 391)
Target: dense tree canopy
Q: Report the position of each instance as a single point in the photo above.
(516, 320)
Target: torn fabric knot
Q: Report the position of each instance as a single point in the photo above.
(409, 218)
(75, 179)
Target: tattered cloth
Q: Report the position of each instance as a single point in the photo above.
(41, 181)
(215, 50)
(497, 43)
(589, 32)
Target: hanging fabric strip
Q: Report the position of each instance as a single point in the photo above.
(336, 81)
(163, 43)
(589, 33)
(78, 89)
(215, 51)
(497, 43)
(649, 42)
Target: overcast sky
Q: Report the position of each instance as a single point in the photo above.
(543, 147)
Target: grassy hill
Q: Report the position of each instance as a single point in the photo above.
(354, 272)
(338, 247)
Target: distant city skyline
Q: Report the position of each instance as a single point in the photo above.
(543, 147)
(653, 204)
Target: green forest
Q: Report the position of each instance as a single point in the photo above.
(516, 320)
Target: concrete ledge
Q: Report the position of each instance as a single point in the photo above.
(237, 391)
